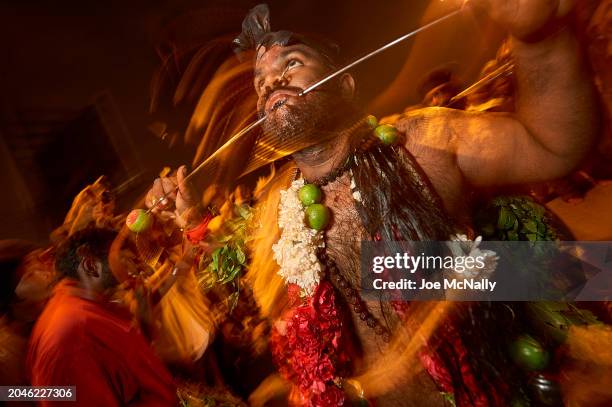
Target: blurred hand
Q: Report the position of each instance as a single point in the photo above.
(525, 18)
(168, 202)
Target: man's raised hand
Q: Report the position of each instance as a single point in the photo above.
(168, 202)
(526, 19)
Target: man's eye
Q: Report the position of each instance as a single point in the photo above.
(293, 63)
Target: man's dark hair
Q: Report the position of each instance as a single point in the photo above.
(97, 242)
(257, 32)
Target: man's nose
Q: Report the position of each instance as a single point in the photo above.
(276, 81)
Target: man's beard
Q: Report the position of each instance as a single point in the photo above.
(312, 119)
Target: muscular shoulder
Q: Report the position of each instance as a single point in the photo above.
(431, 136)
(433, 126)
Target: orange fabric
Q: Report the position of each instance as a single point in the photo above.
(90, 345)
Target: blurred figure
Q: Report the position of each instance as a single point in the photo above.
(439, 87)
(496, 94)
(84, 339)
(13, 333)
(36, 276)
(169, 309)
(93, 206)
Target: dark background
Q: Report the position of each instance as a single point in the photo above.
(75, 76)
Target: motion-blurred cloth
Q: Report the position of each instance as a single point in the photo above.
(88, 344)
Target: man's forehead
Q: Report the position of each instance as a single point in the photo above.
(266, 56)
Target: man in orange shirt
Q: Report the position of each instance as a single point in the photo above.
(83, 339)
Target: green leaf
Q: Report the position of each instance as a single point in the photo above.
(506, 218)
(538, 210)
(581, 316)
(449, 398)
(542, 228)
(215, 258)
(531, 226)
(244, 211)
(240, 256)
(225, 238)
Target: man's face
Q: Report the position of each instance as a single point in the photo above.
(106, 279)
(37, 276)
(438, 96)
(281, 73)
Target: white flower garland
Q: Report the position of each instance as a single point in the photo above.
(467, 247)
(295, 251)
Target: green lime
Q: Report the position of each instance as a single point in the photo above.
(528, 353)
(317, 216)
(310, 194)
(372, 121)
(138, 220)
(386, 133)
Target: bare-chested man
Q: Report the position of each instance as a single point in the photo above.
(421, 189)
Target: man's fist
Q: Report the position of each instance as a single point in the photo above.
(525, 19)
(168, 202)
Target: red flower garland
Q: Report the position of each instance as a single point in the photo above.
(306, 347)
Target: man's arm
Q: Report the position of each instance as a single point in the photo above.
(556, 119)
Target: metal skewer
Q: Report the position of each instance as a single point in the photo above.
(223, 147)
(231, 141)
(377, 51)
(504, 69)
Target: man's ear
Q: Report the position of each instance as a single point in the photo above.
(88, 262)
(347, 85)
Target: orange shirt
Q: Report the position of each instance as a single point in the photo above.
(95, 347)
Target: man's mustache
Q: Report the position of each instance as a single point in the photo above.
(291, 89)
